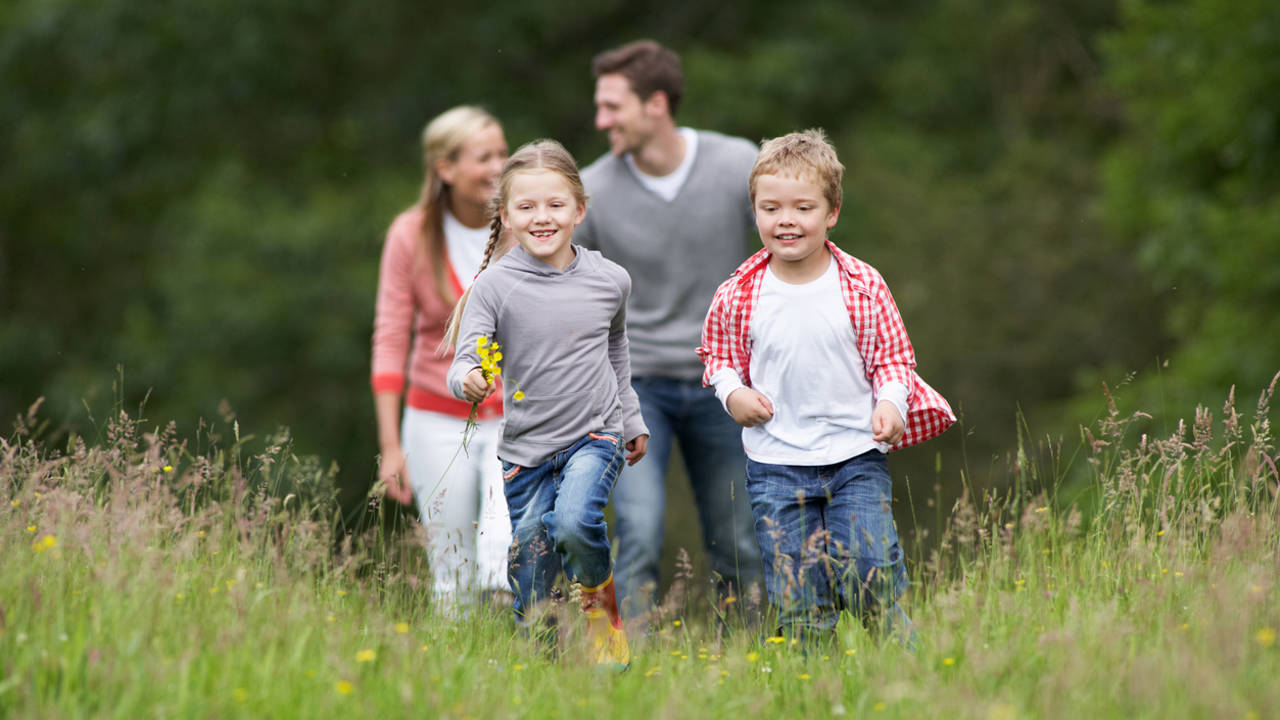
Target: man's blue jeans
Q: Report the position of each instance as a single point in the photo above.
(711, 443)
(557, 518)
(829, 543)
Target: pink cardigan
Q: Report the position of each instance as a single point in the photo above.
(409, 322)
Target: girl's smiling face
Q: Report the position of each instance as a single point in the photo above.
(542, 212)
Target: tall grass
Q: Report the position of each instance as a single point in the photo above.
(143, 577)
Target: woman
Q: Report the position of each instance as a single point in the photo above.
(432, 252)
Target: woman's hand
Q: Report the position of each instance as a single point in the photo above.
(395, 476)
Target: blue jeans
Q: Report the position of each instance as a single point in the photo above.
(829, 542)
(711, 444)
(557, 518)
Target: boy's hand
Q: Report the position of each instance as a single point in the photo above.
(749, 408)
(637, 448)
(475, 387)
(887, 423)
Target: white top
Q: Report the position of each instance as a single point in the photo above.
(804, 358)
(668, 186)
(464, 247)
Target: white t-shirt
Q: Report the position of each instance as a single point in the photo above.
(668, 186)
(464, 247)
(804, 358)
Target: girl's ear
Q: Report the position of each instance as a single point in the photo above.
(580, 215)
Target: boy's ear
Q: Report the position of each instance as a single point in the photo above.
(833, 216)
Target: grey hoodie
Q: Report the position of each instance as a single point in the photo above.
(564, 345)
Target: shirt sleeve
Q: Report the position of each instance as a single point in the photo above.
(393, 312)
(633, 425)
(895, 360)
(715, 351)
(725, 382)
(478, 320)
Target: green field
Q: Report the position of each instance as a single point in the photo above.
(148, 577)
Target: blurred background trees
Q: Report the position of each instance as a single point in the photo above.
(1060, 194)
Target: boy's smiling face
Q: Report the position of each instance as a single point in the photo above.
(793, 217)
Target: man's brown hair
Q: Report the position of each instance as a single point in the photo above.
(648, 66)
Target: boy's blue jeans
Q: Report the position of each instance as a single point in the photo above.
(557, 518)
(828, 541)
(684, 412)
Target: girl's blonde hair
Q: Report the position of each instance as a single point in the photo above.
(442, 139)
(537, 155)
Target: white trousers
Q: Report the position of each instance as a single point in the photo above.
(463, 506)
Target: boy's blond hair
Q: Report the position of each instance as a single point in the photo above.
(808, 155)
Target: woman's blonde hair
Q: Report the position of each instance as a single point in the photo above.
(537, 155)
(442, 139)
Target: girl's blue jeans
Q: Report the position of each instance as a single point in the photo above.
(828, 542)
(557, 518)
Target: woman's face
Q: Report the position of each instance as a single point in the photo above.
(473, 174)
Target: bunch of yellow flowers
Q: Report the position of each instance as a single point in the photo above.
(490, 355)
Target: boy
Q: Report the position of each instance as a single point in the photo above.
(806, 350)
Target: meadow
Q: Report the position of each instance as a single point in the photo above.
(148, 576)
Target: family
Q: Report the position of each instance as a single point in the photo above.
(628, 317)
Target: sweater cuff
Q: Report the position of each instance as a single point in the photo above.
(387, 382)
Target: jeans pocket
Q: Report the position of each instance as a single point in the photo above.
(509, 470)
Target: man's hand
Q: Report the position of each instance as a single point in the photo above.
(887, 423)
(636, 449)
(475, 388)
(749, 408)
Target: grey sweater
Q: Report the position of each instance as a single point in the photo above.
(564, 345)
(677, 252)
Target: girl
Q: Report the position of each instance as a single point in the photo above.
(558, 312)
(432, 252)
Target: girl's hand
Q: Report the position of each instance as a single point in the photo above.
(749, 408)
(394, 475)
(887, 423)
(637, 448)
(475, 387)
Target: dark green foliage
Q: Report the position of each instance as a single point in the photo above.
(198, 192)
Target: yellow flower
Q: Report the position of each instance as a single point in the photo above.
(518, 395)
(850, 651)
(803, 676)
(48, 542)
(402, 628)
(676, 623)
(484, 354)
(330, 618)
(497, 357)
(948, 661)
(168, 468)
(240, 694)
(14, 503)
(517, 667)
(776, 639)
(342, 687)
(753, 656)
(481, 343)
(1266, 637)
(879, 707)
(366, 656)
(31, 528)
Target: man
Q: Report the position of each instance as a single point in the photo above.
(670, 205)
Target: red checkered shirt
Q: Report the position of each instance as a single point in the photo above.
(881, 337)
